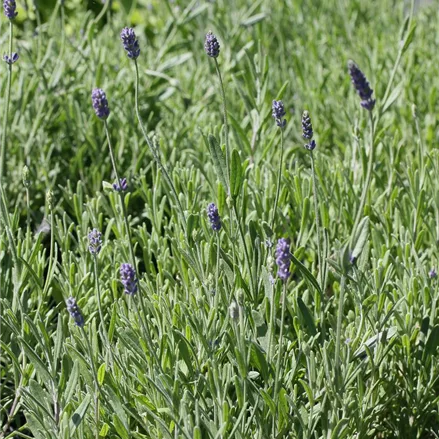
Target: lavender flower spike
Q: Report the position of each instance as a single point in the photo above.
(211, 45)
(278, 111)
(11, 59)
(122, 187)
(100, 103)
(362, 86)
(432, 274)
(95, 242)
(214, 218)
(75, 312)
(307, 131)
(10, 9)
(128, 278)
(130, 42)
(283, 258)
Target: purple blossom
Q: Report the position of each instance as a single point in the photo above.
(95, 242)
(432, 274)
(211, 45)
(75, 312)
(122, 187)
(11, 59)
(10, 9)
(362, 86)
(128, 278)
(130, 42)
(307, 131)
(283, 258)
(214, 218)
(100, 103)
(278, 112)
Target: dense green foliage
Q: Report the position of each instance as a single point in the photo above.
(206, 349)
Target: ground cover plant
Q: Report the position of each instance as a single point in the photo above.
(219, 219)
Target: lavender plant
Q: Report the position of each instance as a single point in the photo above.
(10, 11)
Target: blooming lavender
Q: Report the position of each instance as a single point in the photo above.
(122, 187)
(130, 42)
(283, 258)
(128, 278)
(362, 86)
(95, 242)
(278, 111)
(214, 218)
(432, 274)
(211, 45)
(11, 59)
(307, 131)
(75, 312)
(10, 9)
(100, 103)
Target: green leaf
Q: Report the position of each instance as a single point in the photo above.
(257, 359)
(253, 19)
(306, 273)
(235, 174)
(361, 237)
(409, 38)
(218, 160)
(393, 96)
(432, 341)
(79, 414)
(307, 317)
(101, 373)
(104, 430)
(120, 428)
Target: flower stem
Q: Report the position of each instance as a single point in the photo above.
(5, 117)
(226, 124)
(279, 354)
(321, 259)
(154, 153)
(279, 177)
(368, 177)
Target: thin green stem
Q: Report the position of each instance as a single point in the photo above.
(338, 331)
(95, 377)
(226, 124)
(368, 177)
(51, 258)
(279, 354)
(5, 117)
(272, 323)
(122, 199)
(321, 259)
(246, 254)
(279, 177)
(154, 153)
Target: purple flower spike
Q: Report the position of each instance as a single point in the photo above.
(432, 274)
(100, 103)
(211, 45)
(214, 218)
(122, 187)
(307, 131)
(11, 59)
(362, 86)
(130, 42)
(283, 258)
(95, 242)
(75, 312)
(128, 278)
(278, 111)
(10, 9)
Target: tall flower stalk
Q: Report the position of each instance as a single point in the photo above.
(308, 134)
(131, 45)
(283, 261)
(365, 92)
(10, 11)
(278, 111)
